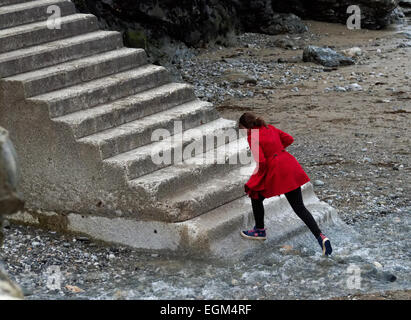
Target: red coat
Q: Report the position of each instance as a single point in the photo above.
(277, 171)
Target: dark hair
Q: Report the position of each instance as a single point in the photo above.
(249, 120)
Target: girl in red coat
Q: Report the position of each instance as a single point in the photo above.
(277, 172)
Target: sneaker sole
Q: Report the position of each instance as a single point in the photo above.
(252, 238)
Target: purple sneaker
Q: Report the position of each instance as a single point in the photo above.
(255, 234)
(325, 245)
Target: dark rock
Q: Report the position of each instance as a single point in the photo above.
(325, 56)
(397, 16)
(297, 7)
(8, 289)
(405, 3)
(158, 25)
(330, 69)
(407, 34)
(10, 201)
(168, 29)
(375, 14)
(83, 239)
(284, 23)
(405, 45)
(238, 77)
(6, 224)
(259, 16)
(284, 43)
(389, 277)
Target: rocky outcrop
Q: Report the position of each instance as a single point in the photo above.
(9, 203)
(196, 23)
(406, 7)
(167, 29)
(375, 14)
(199, 22)
(326, 57)
(193, 22)
(8, 289)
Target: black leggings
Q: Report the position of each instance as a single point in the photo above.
(295, 199)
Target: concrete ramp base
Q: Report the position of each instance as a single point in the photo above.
(216, 233)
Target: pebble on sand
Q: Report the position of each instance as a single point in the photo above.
(318, 183)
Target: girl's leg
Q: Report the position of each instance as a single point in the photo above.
(295, 199)
(258, 232)
(258, 211)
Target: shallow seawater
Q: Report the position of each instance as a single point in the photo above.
(370, 256)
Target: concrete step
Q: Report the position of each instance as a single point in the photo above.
(200, 198)
(32, 58)
(74, 72)
(103, 90)
(102, 117)
(219, 161)
(215, 234)
(28, 12)
(36, 33)
(138, 133)
(11, 2)
(218, 231)
(139, 162)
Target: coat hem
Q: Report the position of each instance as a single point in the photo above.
(255, 194)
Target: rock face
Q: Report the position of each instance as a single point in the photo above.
(165, 28)
(9, 203)
(168, 30)
(375, 14)
(406, 7)
(193, 22)
(196, 23)
(8, 290)
(326, 57)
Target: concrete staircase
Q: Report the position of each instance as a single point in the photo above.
(81, 110)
